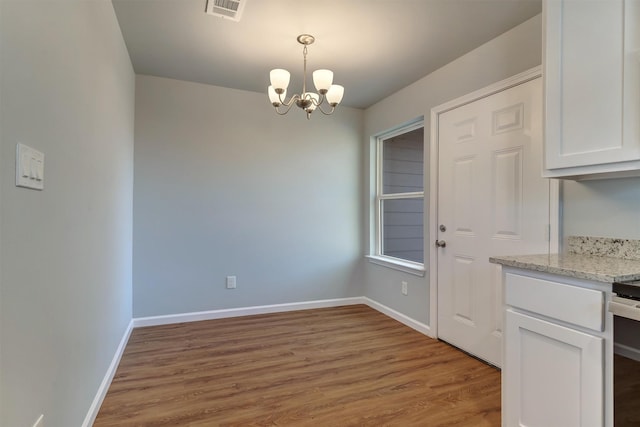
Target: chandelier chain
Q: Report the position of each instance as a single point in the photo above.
(304, 70)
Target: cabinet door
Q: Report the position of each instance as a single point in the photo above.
(553, 375)
(590, 76)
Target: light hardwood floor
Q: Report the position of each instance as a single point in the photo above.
(344, 366)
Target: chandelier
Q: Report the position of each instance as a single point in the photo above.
(308, 101)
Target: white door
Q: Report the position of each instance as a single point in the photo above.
(491, 201)
(555, 375)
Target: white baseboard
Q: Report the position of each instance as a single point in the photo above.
(106, 381)
(402, 318)
(626, 351)
(281, 308)
(243, 311)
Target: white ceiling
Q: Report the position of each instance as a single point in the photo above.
(374, 47)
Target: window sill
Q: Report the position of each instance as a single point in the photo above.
(414, 268)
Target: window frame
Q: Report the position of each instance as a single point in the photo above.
(377, 245)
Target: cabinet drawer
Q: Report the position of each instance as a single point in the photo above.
(571, 304)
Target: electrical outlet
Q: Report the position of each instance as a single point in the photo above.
(405, 288)
(231, 282)
(39, 422)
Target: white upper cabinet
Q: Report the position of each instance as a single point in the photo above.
(592, 88)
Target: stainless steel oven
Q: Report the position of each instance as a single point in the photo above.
(625, 306)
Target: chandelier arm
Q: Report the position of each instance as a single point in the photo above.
(293, 98)
(289, 105)
(326, 113)
(319, 101)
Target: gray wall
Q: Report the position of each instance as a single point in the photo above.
(515, 51)
(67, 89)
(605, 208)
(225, 186)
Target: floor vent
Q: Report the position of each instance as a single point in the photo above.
(227, 9)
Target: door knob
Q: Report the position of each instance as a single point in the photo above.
(441, 243)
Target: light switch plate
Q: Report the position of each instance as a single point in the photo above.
(29, 167)
(231, 282)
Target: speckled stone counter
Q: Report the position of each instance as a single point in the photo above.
(589, 267)
(592, 258)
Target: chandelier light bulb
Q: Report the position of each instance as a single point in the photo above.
(322, 79)
(335, 94)
(279, 79)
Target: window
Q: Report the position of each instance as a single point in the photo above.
(399, 200)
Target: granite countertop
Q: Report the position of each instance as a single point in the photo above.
(591, 258)
(589, 267)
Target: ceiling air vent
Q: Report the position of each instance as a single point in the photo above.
(227, 9)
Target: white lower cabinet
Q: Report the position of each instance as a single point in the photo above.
(554, 375)
(557, 352)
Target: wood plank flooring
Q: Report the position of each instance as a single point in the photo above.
(344, 366)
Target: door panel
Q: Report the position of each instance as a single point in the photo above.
(507, 194)
(493, 201)
(462, 195)
(462, 290)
